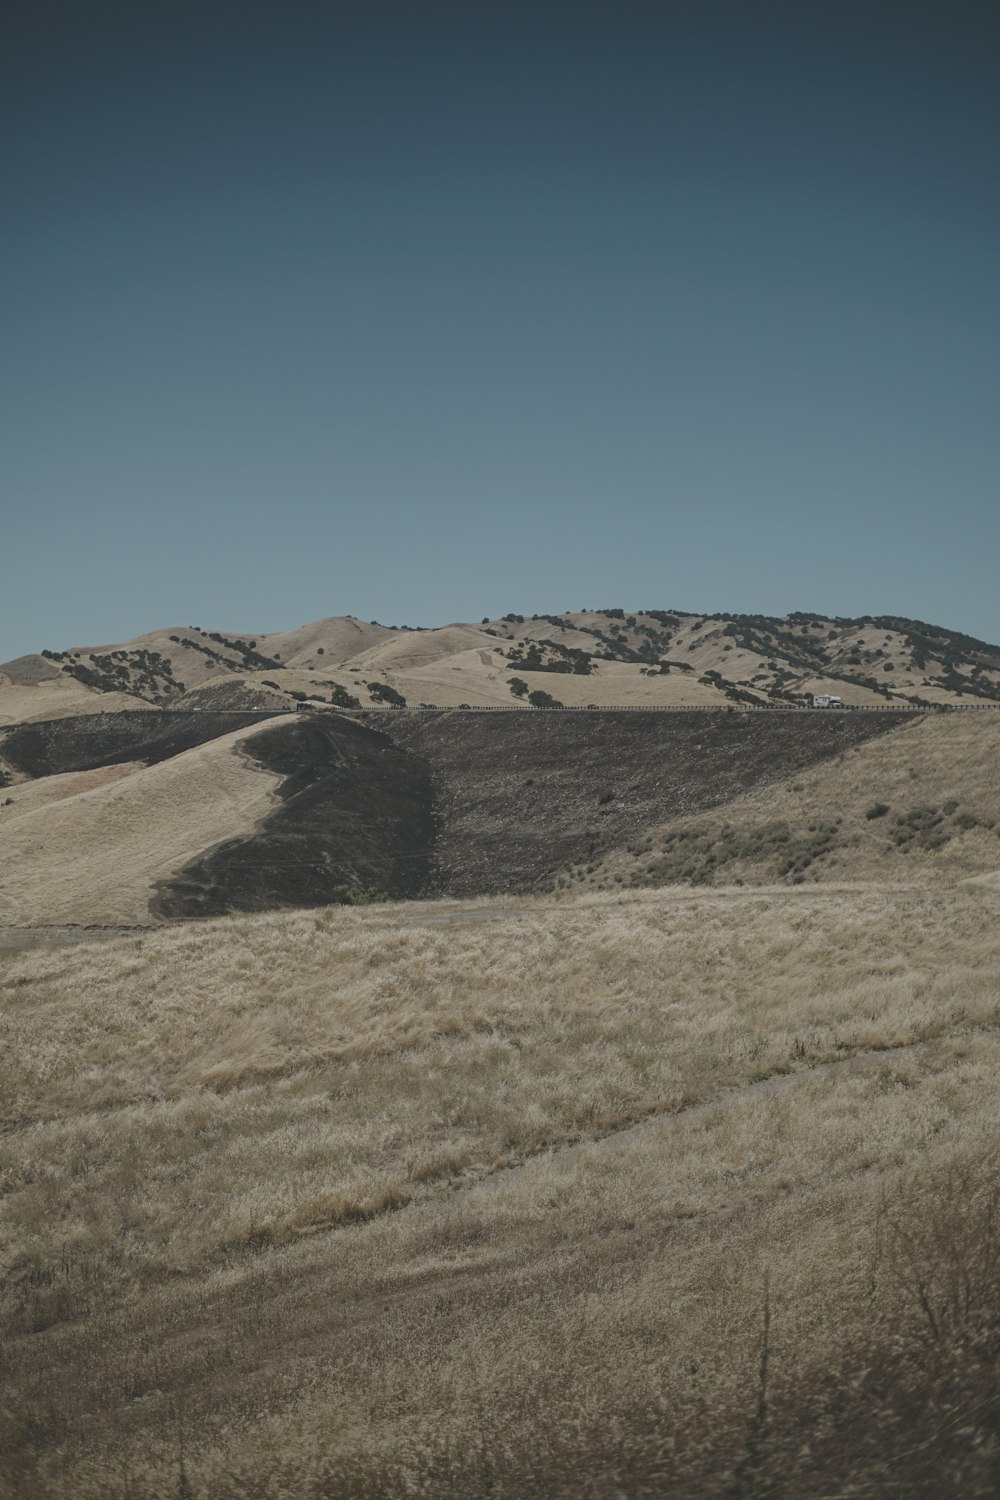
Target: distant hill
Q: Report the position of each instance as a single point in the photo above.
(113, 810)
(155, 815)
(605, 657)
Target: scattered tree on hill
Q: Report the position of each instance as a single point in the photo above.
(381, 692)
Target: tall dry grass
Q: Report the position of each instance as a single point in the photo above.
(447, 1201)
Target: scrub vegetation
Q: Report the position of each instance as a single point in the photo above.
(687, 1193)
(920, 804)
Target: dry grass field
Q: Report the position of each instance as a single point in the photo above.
(89, 846)
(680, 1192)
(32, 689)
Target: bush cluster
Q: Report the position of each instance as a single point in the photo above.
(381, 692)
(700, 854)
(550, 656)
(930, 828)
(141, 673)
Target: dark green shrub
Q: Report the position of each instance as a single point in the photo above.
(877, 810)
(381, 692)
(341, 698)
(349, 895)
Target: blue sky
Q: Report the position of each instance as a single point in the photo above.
(428, 312)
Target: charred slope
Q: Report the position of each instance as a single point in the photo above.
(86, 741)
(438, 802)
(523, 795)
(356, 815)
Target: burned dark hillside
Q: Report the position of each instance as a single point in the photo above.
(398, 805)
(81, 743)
(355, 822)
(521, 796)
(405, 805)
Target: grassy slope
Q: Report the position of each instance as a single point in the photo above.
(935, 777)
(457, 1201)
(89, 847)
(469, 663)
(58, 697)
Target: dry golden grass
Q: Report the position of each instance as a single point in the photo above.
(28, 796)
(89, 846)
(340, 636)
(56, 698)
(443, 1200)
(458, 663)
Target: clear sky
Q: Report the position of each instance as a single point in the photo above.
(424, 312)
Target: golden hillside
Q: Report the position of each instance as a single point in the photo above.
(689, 1193)
(149, 816)
(90, 846)
(672, 1175)
(606, 657)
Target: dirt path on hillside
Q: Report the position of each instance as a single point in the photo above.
(17, 939)
(443, 914)
(14, 939)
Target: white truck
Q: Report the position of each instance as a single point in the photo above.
(827, 700)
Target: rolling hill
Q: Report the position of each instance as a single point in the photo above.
(164, 777)
(538, 1097)
(154, 815)
(605, 657)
